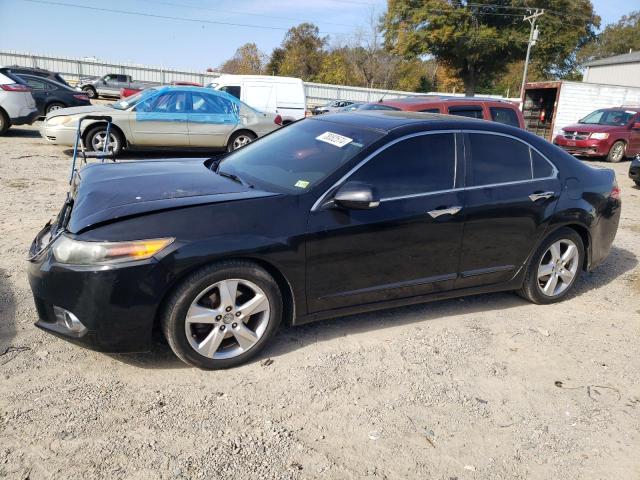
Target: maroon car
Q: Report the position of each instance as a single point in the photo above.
(613, 133)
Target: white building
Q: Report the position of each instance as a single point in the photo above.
(621, 70)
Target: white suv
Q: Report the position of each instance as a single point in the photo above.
(17, 106)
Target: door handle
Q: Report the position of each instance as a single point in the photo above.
(534, 197)
(444, 211)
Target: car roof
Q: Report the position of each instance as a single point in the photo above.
(387, 120)
(43, 79)
(427, 100)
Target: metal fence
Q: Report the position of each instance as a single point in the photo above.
(75, 68)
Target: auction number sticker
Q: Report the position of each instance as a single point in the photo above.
(301, 184)
(334, 139)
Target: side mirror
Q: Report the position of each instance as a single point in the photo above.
(636, 126)
(356, 196)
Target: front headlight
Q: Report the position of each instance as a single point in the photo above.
(76, 252)
(599, 136)
(59, 120)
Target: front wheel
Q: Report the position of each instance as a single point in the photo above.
(222, 315)
(239, 140)
(90, 91)
(554, 268)
(97, 136)
(617, 152)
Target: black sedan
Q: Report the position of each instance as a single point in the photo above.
(634, 170)
(333, 215)
(50, 95)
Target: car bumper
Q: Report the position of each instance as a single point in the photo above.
(26, 119)
(587, 148)
(58, 134)
(115, 306)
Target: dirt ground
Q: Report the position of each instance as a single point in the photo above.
(458, 389)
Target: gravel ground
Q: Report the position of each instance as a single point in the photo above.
(458, 389)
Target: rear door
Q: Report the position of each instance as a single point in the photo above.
(511, 192)
(212, 118)
(634, 137)
(408, 245)
(161, 120)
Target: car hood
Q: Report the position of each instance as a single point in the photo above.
(589, 127)
(82, 110)
(111, 191)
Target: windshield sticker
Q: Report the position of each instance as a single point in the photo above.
(334, 139)
(301, 184)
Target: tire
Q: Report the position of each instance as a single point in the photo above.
(54, 106)
(5, 123)
(239, 140)
(617, 152)
(93, 142)
(91, 92)
(199, 297)
(532, 288)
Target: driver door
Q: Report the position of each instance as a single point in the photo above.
(408, 245)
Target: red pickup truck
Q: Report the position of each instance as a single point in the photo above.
(127, 92)
(613, 133)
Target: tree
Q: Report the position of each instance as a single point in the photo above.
(275, 61)
(248, 60)
(617, 38)
(302, 52)
(477, 40)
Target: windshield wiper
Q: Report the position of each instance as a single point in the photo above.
(234, 177)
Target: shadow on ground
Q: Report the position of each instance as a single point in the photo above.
(7, 312)
(18, 132)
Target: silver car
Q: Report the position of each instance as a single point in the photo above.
(175, 117)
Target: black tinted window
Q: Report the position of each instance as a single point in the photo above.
(504, 115)
(416, 165)
(431, 110)
(232, 90)
(541, 167)
(498, 159)
(471, 112)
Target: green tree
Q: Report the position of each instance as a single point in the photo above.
(248, 60)
(478, 40)
(617, 38)
(303, 51)
(275, 61)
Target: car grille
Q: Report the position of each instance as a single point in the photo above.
(572, 135)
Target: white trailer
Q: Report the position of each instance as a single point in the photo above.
(549, 106)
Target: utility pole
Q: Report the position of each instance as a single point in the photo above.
(533, 38)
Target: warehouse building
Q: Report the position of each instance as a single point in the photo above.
(621, 70)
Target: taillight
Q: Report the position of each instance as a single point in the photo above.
(278, 120)
(15, 87)
(81, 97)
(615, 192)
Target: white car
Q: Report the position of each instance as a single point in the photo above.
(17, 105)
(284, 96)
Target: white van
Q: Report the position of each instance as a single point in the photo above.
(281, 95)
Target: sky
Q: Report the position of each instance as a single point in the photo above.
(187, 34)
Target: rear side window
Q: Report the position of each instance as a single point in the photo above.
(431, 110)
(416, 165)
(541, 167)
(504, 115)
(232, 90)
(470, 111)
(210, 104)
(36, 84)
(498, 159)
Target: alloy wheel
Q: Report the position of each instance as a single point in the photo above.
(618, 152)
(227, 319)
(558, 267)
(241, 141)
(98, 140)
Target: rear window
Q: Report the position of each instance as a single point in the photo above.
(466, 111)
(378, 106)
(504, 115)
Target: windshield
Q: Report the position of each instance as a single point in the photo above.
(133, 99)
(296, 158)
(377, 106)
(608, 117)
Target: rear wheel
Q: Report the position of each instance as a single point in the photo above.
(239, 140)
(617, 152)
(96, 137)
(52, 107)
(222, 315)
(4, 122)
(90, 91)
(554, 268)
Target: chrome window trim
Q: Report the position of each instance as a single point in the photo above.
(342, 179)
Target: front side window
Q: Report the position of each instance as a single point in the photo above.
(506, 116)
(498, 159)
(299, 156)
(421, 164)
(466, 111)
